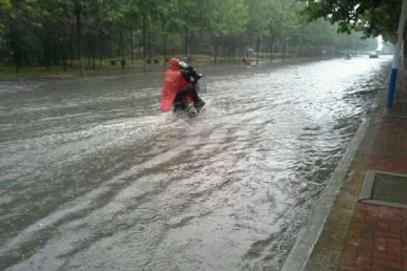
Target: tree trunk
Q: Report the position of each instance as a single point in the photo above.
(257, 50)
(215, 52)
(186, 43)
(132, 46)
(404, 59)
(165, 51)
(79, 37)
(63, 51)
(144, 42)
(139, 49)
(72, 53)
(101, 49)
(64, 68)
(16, 49)
(122, 60)
(17, 59)
(271, 50)
(150, 49)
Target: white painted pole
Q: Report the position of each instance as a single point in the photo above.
(397, 56)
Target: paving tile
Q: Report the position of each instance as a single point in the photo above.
(376, 236)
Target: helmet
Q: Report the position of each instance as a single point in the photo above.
(183, 64)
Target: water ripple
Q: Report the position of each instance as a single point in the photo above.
(94, 178)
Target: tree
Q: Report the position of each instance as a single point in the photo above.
(257, 22)
(169, 21)
(19, 21)
(373, 17)
(4, 5)
(229, 20)
(192, 18)
(57, 32)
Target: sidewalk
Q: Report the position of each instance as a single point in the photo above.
(360, 236)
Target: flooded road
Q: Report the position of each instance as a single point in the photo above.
(93, 177)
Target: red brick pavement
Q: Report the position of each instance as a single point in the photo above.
(377, 240)
(377, 236)
(390, 148)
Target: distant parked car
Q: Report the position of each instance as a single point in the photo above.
(373, 55)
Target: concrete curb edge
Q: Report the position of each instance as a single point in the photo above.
(310, 233)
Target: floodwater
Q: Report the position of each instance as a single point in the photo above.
(93, 177)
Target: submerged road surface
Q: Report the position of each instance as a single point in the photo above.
(93, 177)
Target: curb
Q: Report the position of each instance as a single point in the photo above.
(308, 236)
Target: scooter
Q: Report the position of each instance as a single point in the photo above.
(186, 104)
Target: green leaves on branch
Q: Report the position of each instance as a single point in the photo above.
(373, 17)
(5, 4)
(229, 18)
(50, 32)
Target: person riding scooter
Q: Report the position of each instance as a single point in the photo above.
(189, 72)
(180, 87)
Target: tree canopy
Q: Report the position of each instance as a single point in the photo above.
(87, 32)
(373, 17)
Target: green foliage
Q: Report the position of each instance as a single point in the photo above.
(259, 16)
(5, 4)
(55, 32)
(289, 21)
(229, 18)
(373, 17)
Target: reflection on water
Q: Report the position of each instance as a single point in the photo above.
(93, 177)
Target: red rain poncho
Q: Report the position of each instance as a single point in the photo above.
(174, 82)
